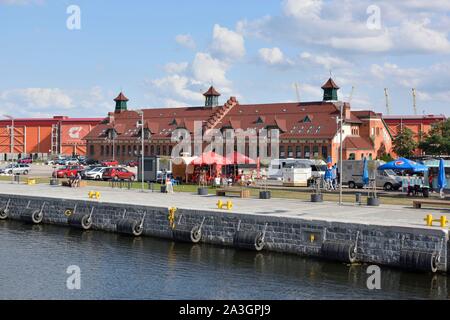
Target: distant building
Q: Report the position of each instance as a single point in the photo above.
(420, 125)
(41, 137)
(307, 129)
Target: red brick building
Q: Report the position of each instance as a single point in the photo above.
(43, 136)
(307, 129)
(419, 125)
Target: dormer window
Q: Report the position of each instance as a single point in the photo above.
(259, 120)
(306, 119)
(173, 122)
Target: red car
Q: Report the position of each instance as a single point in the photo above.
(109, 163)
(67, 171)
(25, 161)
(118, 174)
(133, 163)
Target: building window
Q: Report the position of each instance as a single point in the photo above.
(370, 156)
(290, 152)
(282, 153)
(134, 150)
(352, 156)
(124, 150)
(170, 151)
(316, 151)
(129, 150)
(102, 150)
(152, 150)
(146, 151)
(118, 151)
(163, 150)
(324, 152)
(158, 150)
(91, 150)
(307, 152)
(298, 151)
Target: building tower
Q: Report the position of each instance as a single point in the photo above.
(330, 91)
(211, 97)
(121, 103)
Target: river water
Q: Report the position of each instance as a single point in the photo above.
(34, 262)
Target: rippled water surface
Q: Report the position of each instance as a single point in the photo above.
(34, 261)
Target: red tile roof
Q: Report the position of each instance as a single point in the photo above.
(211, 92)
(357, 143)
(330, 84)
(121, 97)
(288, 117)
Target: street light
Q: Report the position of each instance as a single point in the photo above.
(12, 132)
(141, 113)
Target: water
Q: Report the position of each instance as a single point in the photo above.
(34, 261)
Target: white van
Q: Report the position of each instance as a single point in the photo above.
(276, 167)
(352, 172)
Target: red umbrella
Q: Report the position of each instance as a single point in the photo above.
(211, 158)
(239, 158)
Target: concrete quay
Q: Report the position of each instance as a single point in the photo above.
(386, 235)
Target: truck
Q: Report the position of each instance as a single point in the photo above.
(276, 167)
(352, 175)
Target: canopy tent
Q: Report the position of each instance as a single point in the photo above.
(238, 158)
(403, 164)
(211, 158)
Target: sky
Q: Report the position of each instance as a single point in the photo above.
(73, 57)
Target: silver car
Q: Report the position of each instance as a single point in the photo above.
(17, 169)
(95, 173)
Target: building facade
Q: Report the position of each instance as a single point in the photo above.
(41, 137)
(307, 129)
(419, 125)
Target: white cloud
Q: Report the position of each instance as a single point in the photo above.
(205, 69)
(326, 61)
(173, 67)
(227, 43)
(20, 2)
(302, 8)
(185, 40)
(176, 86)
(406, 77)
(272, 56)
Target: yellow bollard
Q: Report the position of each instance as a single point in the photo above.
(229, 205)
(429, 220)
(94, 195)
(219, 204)
(443, 221)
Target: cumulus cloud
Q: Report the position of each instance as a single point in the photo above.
(26, 102)
(302, 8)
(227, 44)
(186, 40)
(173, 67)
(272, 56)
(20, 2)
(326, 61)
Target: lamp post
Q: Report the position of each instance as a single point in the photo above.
(12, 132)
(341, 122)
(141, 113)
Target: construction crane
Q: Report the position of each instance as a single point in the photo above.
(414, 101)
(351, 95)
(388, 107)
(297, 92)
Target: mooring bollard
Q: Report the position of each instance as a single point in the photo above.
(94, 195)
(429, 220)
(227, 205)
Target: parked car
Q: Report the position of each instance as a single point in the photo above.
(118, 174)
(95, 173)
(16, 169)
(67, 171)
(90, 162)
(27, 160)
(71, 161)
(133, 163)
(109, 163)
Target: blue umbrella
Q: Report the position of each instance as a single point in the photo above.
(403, 164)
(365, 176)
(442, 181)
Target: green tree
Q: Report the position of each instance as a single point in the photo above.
(404, 143)
(437, 142)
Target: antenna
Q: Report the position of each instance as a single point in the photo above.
(388, 107)
(414, 101)
(297, 92)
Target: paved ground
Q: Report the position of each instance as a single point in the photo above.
(384, 215)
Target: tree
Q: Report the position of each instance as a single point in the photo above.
(404, 143)
(437, 142)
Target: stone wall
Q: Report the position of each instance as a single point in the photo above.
(376, 244)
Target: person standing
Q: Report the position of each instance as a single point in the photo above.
(430, 181)
(169, 185)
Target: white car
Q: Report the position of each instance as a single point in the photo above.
(16, 169)
(96, 173)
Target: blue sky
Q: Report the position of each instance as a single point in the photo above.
(165, 53)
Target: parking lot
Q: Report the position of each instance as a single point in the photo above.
(45, 171)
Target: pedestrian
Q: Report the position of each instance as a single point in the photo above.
(430, 181)
(169, 185)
